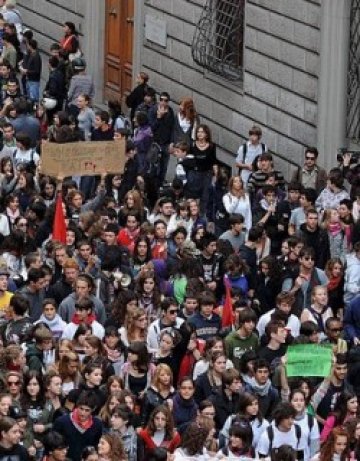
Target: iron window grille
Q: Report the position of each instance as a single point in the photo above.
(353, 79)
(218, 40)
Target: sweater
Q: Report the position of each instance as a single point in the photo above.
(205, 327)
(56, 325)
(75, 439)
(236, 346)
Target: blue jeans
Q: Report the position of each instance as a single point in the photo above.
(33, 90)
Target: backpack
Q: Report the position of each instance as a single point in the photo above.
(122, 122)
(29, 165)
(254, 163)
(270, 432)
(153, 157)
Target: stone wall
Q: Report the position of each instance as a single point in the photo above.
(280, 88)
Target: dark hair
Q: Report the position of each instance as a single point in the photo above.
(340, 407)
(53, 441)
(169, 428)
(6, 424)
(20, 304)
(310, 194)
(283, 410)
(104, 115)
(207, 238)
(243, 431)
(23, 139)
(71, 26)
(246, 315)
(236, 219)
(308, 328)
(167, 303)
(84, 303)
(336, 177)
(35, 274)
(283, 453)
(255, 233)
(33, 44)
(87, 399)
(88, 451)
(25, 397)
(312, 150)
(261, 363)
(140, 349)
(194, 438)
(307, 251)
(246, 399)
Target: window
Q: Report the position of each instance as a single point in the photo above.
(353, 81)
(219, 38)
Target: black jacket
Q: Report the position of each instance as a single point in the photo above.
(161, 127)
(317, 240)
(59, 290)
(55, 86)
(223, 407)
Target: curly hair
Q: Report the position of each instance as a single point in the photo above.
(118, 307)
(327, 450)
(117, 452)
(194, 439)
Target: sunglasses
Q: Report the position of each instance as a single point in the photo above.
(309, 258)
(309, 158)
(173, 311)
(335, 330)
(13, 383)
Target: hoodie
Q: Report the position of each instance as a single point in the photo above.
(67, 308)
(56, 325)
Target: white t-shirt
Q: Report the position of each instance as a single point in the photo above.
(280, 438)
(251, 153)
(293, 324)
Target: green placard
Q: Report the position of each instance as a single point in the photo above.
(309, 360)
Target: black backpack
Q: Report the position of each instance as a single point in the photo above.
(270, 432)
(254, 163)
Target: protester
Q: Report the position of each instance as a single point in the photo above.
(112, 299)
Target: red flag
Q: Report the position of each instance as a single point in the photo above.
(227, 312)
(59, 226)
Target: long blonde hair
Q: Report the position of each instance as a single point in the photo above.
(162, 367)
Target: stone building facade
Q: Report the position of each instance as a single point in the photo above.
(294, 64)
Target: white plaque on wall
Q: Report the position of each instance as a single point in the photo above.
(155, 30)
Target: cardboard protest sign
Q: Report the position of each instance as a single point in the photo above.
(83, 158)
(309, 360)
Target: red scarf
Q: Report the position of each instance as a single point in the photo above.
(334, 283)
(84, 425)
(89, 320)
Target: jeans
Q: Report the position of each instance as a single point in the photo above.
(33, 90)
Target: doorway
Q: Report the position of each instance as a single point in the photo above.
(119, 40)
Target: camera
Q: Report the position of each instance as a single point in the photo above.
(355, 155)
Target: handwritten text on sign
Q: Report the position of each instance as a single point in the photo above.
(308, 360)
(83, 158)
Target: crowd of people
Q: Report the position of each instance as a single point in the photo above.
(158, 328)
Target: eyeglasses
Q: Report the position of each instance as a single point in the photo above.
(335, 330)
(309, 158)
(13, 383)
